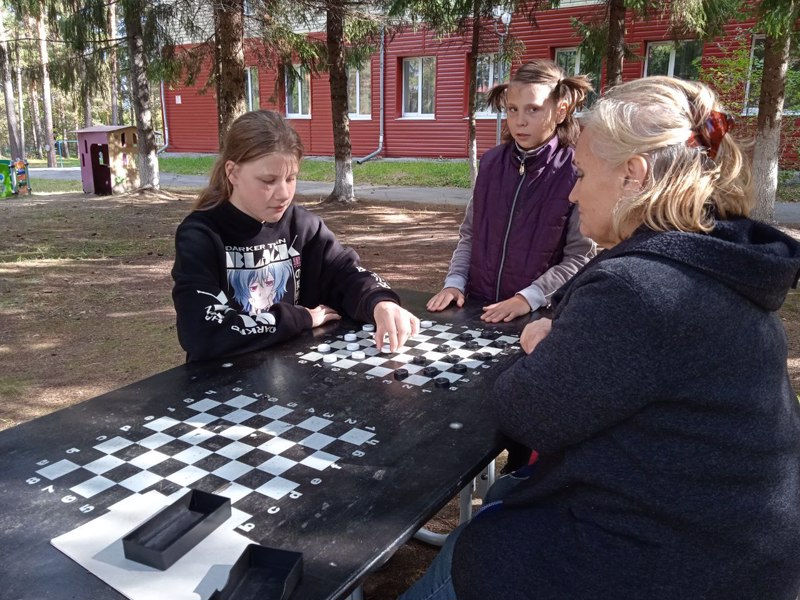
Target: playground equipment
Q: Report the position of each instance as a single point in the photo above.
(14, 178)
(108, 158)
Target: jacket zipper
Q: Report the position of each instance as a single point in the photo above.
(508, 227)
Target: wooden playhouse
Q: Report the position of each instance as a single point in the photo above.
(108, 158)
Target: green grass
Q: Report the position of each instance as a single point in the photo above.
(54, 186)
(187, 165)
(41, 163)
(426, 173)
(79, 249)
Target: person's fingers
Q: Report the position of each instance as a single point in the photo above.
(391, 338)
(460, 300)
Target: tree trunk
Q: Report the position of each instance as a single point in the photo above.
(472, 68)
(47, 99)
(65, 145)
(766, 151)
(140, 90)
(112, 61)
(616, 42)
(8, 93)
(229, 55)
(36, 119)
(342, 151)
(20, 97)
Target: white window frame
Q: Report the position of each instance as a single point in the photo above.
(253, 96)
(672, 53)
(418, 115)
(571, 3)
(306, 78)
(491, 113)
(578, 58)
(357, 115)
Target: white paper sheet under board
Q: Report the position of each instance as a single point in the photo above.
(97, 546)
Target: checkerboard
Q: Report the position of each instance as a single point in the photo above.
(253, 449)
(441, 356)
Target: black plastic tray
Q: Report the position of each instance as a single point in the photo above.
(263, 573)
(173, 531)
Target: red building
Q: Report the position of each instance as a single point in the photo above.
(414, 92)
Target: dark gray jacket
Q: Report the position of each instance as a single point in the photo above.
(667, 428)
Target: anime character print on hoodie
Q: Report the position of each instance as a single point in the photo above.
(241, 285)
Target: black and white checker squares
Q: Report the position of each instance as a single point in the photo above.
(440, 355)
(251, 450)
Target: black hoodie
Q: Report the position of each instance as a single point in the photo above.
(238, 282)
(667, 430)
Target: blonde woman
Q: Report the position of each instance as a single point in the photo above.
(657, 398)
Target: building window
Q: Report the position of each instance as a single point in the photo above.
(419, 86)
(568, 3)
(359, 92)
(791, 100)
(489, 72)
(298, 92)
(676, 59)
(575, 61)
(251, 88)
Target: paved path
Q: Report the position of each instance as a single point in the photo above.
(785, 212)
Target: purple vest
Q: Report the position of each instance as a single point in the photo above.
(519, 221)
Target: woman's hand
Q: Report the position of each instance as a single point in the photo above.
(534, 333)
(443, 299)
(507, 310)
(394, 322)
(322, 314)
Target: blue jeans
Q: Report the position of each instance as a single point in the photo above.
(437, 582)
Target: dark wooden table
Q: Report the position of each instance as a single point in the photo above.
(387, 455)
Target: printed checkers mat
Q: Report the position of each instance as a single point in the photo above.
(441, 355)
(251, 450)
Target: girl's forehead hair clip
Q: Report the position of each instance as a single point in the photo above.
(710, 132)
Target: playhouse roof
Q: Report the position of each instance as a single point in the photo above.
(103, 128)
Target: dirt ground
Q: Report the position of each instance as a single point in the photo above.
(85, 301)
